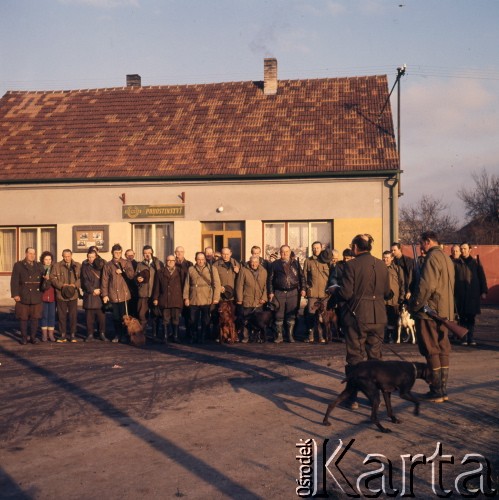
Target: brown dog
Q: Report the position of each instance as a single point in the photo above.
(327, 320)
(227, 322)
(134, 328)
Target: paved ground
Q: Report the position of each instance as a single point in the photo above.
(112, 421)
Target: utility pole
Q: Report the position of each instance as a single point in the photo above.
(400, 74)
(395, 182)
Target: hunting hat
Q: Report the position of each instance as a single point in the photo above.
(325, 256)
(228, 293)
(68, 292)
(270, 306)
(146, 274)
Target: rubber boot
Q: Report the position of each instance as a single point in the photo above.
(50, 333)
(291, 328)
(245, 335)
(44, 333)
(351, 402)
(193, 331)
(310, 338)
(278, 328)
(471, 338)
(103, 337)
(435, 394)
(445, 377)
(205, 333)
(156, 331)
(117, 332)
(175, 333)
(388, 335)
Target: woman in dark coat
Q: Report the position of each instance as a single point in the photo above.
(92, 301)
(167, 294)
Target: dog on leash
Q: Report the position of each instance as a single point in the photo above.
(374, 376)
(135, 331)
(326, 320)
(259, 321)
(407, 323)
(227, 322)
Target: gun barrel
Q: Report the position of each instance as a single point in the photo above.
(452, 326)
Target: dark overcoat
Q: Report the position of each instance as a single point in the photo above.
(407, 265)
(470, 284)
(366, 286)
(90, 281)
(168, 288)
(26, 282)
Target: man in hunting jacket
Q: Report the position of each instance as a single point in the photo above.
(201, 291)
(316, 275)
(435, 289)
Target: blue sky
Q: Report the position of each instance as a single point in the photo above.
(450, 94)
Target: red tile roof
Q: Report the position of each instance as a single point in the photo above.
(310, 127)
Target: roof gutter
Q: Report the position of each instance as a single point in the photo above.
(96, 180)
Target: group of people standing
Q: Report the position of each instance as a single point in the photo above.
(161, 294)
(365, 291)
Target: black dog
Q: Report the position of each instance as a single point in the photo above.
(371, 377)
(259, 320)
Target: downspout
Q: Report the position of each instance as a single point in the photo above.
(392, 184)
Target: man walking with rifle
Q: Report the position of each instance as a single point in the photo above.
(436, 290)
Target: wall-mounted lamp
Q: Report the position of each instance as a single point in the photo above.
(122, 198)
(220, 209)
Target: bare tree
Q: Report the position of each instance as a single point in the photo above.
(428, 214)
(482, 209)
(482, 201)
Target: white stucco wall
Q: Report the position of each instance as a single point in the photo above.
(360, 205)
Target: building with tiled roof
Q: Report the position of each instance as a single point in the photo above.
(218, 164)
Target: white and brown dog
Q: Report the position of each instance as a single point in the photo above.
(407, 323)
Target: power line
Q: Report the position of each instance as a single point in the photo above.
(286, 74)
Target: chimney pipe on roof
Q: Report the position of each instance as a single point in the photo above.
(270, 76)
(133, 81)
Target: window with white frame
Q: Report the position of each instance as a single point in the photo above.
(159, 236)
(298, 235)
(15, 240)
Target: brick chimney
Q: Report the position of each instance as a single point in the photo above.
(270, 76)
(133, 81)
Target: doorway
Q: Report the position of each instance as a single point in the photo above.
(224, 234)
